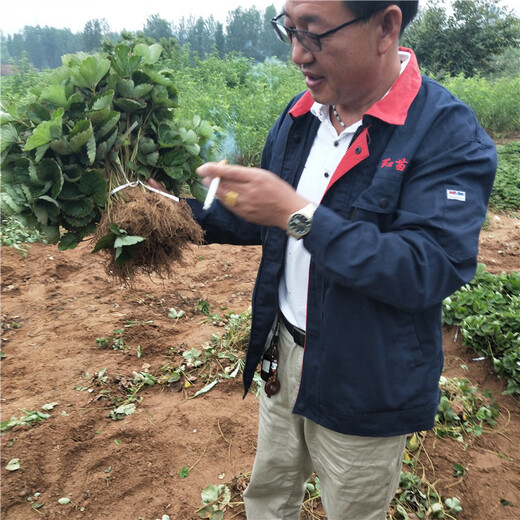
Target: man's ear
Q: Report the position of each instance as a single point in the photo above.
(390, 20)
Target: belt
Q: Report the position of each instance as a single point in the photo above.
(297, 334)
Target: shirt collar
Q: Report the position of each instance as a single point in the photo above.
(322, 113)
(392, 108)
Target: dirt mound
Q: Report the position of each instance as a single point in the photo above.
(57, 307)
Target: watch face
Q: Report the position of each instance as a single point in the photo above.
(299, 225)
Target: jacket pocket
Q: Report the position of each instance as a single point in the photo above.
(372, 365)
(378, 202)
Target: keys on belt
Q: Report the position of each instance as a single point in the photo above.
(269, 366)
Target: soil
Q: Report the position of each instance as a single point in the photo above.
(54, 307)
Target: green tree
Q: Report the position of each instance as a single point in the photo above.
(42, 46)
(428, 38)
(271, 45)
(508, 63)
(33, 45)
(220, 40)
(201, 37)
(157, 28)
(15, 46)
(243, 32)
(93, 33)
(200, 34)
(4, 49)
(467, 41)
(56, 43)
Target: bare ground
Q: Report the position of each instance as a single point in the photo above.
(54, 306)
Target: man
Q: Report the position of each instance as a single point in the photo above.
(373, 188)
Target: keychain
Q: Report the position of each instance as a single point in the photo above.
(272, 386)
(269, 368)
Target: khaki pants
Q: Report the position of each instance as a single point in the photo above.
(358, 475)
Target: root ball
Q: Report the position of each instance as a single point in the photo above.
(168, 228)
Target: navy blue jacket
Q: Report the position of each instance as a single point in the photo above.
(395, 233)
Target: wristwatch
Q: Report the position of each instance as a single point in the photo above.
(300, 222)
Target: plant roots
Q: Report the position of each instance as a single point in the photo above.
(167, 226)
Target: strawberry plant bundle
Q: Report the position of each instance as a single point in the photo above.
(80, 154)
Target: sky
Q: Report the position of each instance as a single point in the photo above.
(125, 14)
(120, 14)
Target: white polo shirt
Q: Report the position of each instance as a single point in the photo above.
(327, 151)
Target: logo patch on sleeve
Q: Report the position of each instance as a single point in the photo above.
(456, 195)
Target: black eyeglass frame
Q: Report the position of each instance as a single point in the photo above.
(313, 36)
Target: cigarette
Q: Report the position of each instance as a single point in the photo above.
(212, 190)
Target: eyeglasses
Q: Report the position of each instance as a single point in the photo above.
(310, 41)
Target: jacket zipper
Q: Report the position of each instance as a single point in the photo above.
(354, 137)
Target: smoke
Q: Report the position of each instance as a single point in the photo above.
(222, 145)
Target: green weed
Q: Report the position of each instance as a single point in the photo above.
(463, 409)
(495, 101)
(29, 419)
(416, 498)
(505, 195)
(487, 310)
(16, 235)
(215, 500)
(115, 342)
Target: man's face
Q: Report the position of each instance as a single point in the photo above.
(346, 68)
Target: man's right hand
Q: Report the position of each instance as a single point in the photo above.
(156, 184)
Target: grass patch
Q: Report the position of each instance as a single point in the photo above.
(505, 195)
(14, 234)
(487, 311)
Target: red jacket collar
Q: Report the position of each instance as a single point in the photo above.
(303, 105)
(393, 108)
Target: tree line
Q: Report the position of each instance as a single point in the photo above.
(477, 37)
(247, 31)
